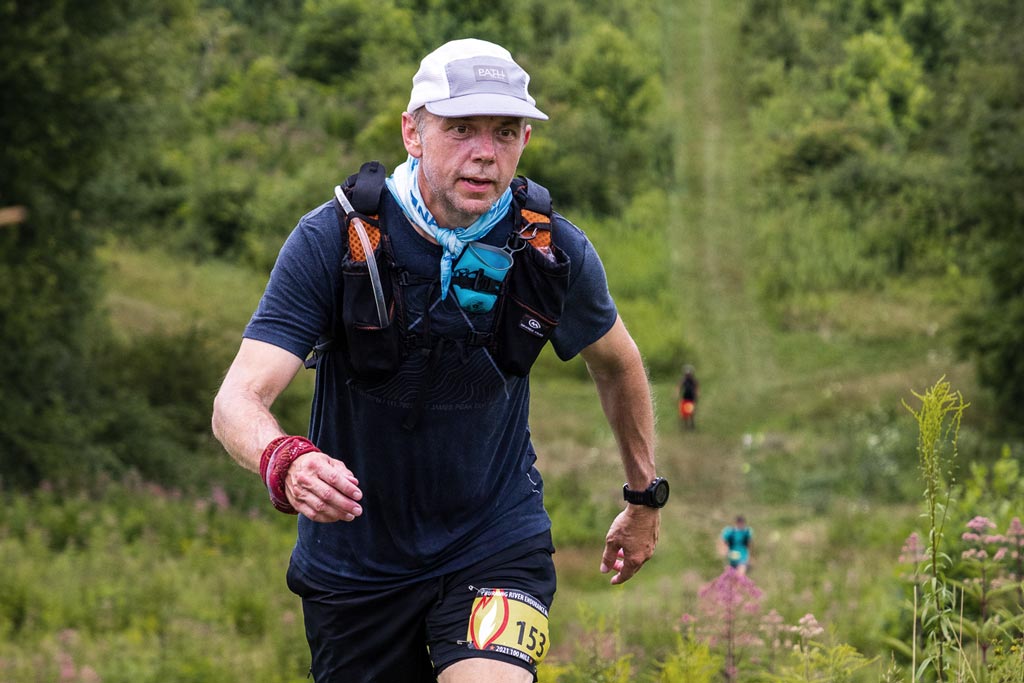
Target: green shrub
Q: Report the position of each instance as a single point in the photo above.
(692, 662)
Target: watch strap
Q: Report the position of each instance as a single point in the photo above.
(649, 496)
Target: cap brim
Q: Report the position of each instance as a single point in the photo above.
(485, 104)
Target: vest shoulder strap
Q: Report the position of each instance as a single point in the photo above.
(363, 190)
(533, 221)
(531, 195)
(365, 187)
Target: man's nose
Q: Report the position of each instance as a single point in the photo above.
(483, 147)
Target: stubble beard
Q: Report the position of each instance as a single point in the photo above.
(451, 204)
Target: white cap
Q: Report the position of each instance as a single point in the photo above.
(471, 77)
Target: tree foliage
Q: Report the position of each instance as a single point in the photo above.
(76, 80)
(891, 132)
(211, 126)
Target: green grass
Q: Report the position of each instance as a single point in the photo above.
(138, 584)
(152, 290)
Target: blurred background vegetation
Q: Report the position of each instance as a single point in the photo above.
(820, 203)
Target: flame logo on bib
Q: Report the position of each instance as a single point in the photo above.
(489, 619)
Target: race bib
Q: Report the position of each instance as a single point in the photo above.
(510, 622)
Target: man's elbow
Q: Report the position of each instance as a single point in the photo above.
(219, 417)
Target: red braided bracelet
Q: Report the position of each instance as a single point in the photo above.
(277, 457)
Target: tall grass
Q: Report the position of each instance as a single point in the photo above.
(131, 582)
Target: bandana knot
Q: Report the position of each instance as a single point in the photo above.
(404, 187)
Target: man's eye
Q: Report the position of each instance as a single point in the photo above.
(461, 130)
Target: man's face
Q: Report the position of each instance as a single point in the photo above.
(466, 163)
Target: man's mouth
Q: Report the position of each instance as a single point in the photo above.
(478, 184)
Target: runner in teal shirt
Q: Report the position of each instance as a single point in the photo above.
(736, 540)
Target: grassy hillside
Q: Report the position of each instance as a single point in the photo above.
(800, 427)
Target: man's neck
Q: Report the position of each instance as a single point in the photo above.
(421, 232)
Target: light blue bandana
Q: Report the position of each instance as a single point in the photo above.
(404, 187)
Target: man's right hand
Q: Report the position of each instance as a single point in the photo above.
(323, 489)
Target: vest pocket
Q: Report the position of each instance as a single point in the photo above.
(373, 350)
(534, 297)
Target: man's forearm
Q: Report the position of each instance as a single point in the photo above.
(627, 405)
(244, 426)
(242, 420)
(625, 395)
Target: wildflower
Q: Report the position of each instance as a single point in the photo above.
(1000, 554)
(980, 524)
(771, 621)
(808, 627)
(772, 627)
(913, 550)
(1016, 531)
(68, 671)
(686, 624)
(220, 498)
(731, 592)
(730, 602)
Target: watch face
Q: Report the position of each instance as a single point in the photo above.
(660, 492)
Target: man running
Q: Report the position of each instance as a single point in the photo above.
(424, 549)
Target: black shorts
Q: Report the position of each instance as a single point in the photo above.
(495, 609)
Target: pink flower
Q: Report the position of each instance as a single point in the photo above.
(808, 627)
(1000, 554)
(68, 672)
(969, 537)
(980, 524)
(771, 621)
(772, 627)
(1016, 531)
(220, 498)
(730, 603)
(912, 551)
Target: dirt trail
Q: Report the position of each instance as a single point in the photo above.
(711, 246)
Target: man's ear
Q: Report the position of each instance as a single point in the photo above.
(410, 136)
(526, 135)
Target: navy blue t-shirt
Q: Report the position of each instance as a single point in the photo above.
(462, 484)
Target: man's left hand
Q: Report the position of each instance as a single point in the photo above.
(630, 542)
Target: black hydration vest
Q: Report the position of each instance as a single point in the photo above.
(373, 340)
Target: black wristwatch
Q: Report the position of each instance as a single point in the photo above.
(654, 496)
